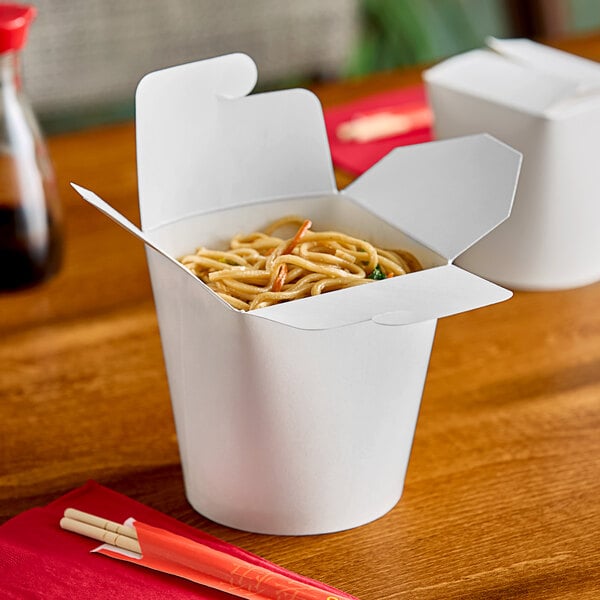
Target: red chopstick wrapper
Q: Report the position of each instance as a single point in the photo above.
(38, 559)
(358, 156)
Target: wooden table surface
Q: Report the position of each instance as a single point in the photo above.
(502, 496)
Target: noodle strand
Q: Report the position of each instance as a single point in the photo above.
(260, 269)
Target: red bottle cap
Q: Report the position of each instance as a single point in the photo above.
(14, 23)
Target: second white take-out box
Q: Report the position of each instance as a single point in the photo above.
(299, 418)
(546, 104)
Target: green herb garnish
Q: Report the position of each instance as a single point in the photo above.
(376, 273)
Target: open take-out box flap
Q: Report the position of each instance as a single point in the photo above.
(205, 151)
(447, 195)
(522, 74)
(429, 294)
(422, 296)
(203, 144)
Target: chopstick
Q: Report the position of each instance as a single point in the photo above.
(234, 575)
(100, 529)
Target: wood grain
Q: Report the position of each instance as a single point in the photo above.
(502, 497)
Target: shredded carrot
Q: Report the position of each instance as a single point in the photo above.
(280, 279)
(296, 239)
(390, 274)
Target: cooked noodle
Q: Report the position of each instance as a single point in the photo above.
(260, 269)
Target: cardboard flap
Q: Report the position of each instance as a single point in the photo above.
(548, 60)
(486, 75)
(467, 190)
(521, 74)
(413, 298)
(203, 145)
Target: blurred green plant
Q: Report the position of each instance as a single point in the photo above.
(407, 32)
(585, 15)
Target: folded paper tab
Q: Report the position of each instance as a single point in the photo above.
(167, 552)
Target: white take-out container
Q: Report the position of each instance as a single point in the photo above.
(299, 418)
(546, 104)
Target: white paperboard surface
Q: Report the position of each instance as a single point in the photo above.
(203, 150)
(583, 72)
(203, 144)
(447, 195)
(284, 420)
(546, 104)
(283, 430)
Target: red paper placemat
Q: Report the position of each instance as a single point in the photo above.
(40, 560)
(356, 157)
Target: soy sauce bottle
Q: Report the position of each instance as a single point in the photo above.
(30, 227)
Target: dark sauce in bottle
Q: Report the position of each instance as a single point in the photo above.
(26, 257)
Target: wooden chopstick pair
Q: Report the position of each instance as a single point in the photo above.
(208, 566)
(101, 529)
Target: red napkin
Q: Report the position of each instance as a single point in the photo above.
(357, 157)
(40, 560)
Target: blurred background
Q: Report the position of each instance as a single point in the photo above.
(83, 59)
